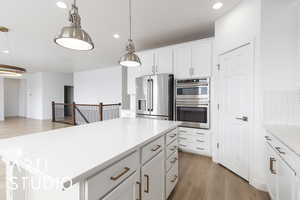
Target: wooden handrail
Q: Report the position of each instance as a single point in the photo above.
(118, 104)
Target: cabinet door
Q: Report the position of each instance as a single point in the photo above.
(153, 178)
(164, 60)
(202, 58)
(286, 181)
(128, 190)
(271, 171)
(147, 59)
(297, 188)
(182, 61)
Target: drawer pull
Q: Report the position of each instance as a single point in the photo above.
(140, 190)
(183, 145)
(200, 133)
(175, 178)
(147, 184)
(268, 138)
(182, 138)
(173, 161)
(200, 141)
(156, 148)
(114, 178)
(174, 148)
(272, 160)
(200, 148)
(172, 136)
(181, 131)
(279, 150)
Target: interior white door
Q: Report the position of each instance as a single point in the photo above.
(236, 101)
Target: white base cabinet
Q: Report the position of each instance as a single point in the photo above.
(153, 178)
(195, 140)
(128, 190)
(282, 180)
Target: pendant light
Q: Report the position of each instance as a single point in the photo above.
(130, 59)
(73, 36)
(11, 71)
(8, 70)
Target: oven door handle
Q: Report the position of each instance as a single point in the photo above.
(192, 105)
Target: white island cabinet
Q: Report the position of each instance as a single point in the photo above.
(121, 159)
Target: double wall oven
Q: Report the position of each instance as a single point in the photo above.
(193, 102)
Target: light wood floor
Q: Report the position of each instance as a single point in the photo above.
(200, 178)
(13, 127)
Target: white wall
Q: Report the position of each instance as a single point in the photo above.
(42, 89)
(34, 96)
(11, 97)
(1, 99)
(23, 98)
(101, 85)
(53, 90)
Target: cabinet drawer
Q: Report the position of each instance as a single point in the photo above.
(171, 180)
(101, 183)
(171, 136)
(151, 149)
(172, 161)
(171, 148)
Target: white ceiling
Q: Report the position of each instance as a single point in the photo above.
(34, 24)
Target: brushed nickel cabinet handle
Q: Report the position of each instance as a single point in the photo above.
(114, 178)
(268, 138)
(156, 148)
(183, 145)
(279, 150)
(182, 138)
(175, 178)
(181, 131)
(174, 148)
(147, 184)
(173, 161)
(272, 160)
(199, 148)
(172, 136)
(140, 190)
(200, 133)
(200, 141)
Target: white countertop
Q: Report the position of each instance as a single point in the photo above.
(78, 152)
(288, 135)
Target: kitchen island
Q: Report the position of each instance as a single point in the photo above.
(120, 159)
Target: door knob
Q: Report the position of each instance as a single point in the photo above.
(244, 118)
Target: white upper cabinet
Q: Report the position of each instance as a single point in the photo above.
(182, 61)
(164, 60)
(193, 59)
(202, 58)
(147, 59)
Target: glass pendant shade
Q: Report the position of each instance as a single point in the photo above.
(73, 36)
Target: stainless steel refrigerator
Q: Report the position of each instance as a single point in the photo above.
(155, 96)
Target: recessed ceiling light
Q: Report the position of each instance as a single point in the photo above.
(5, 51)
(116, 36)
(61, 4)
(218, 5)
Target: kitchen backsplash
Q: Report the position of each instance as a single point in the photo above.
(282, 107)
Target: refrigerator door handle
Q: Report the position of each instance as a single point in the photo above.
(149, 103)
(151, 81)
